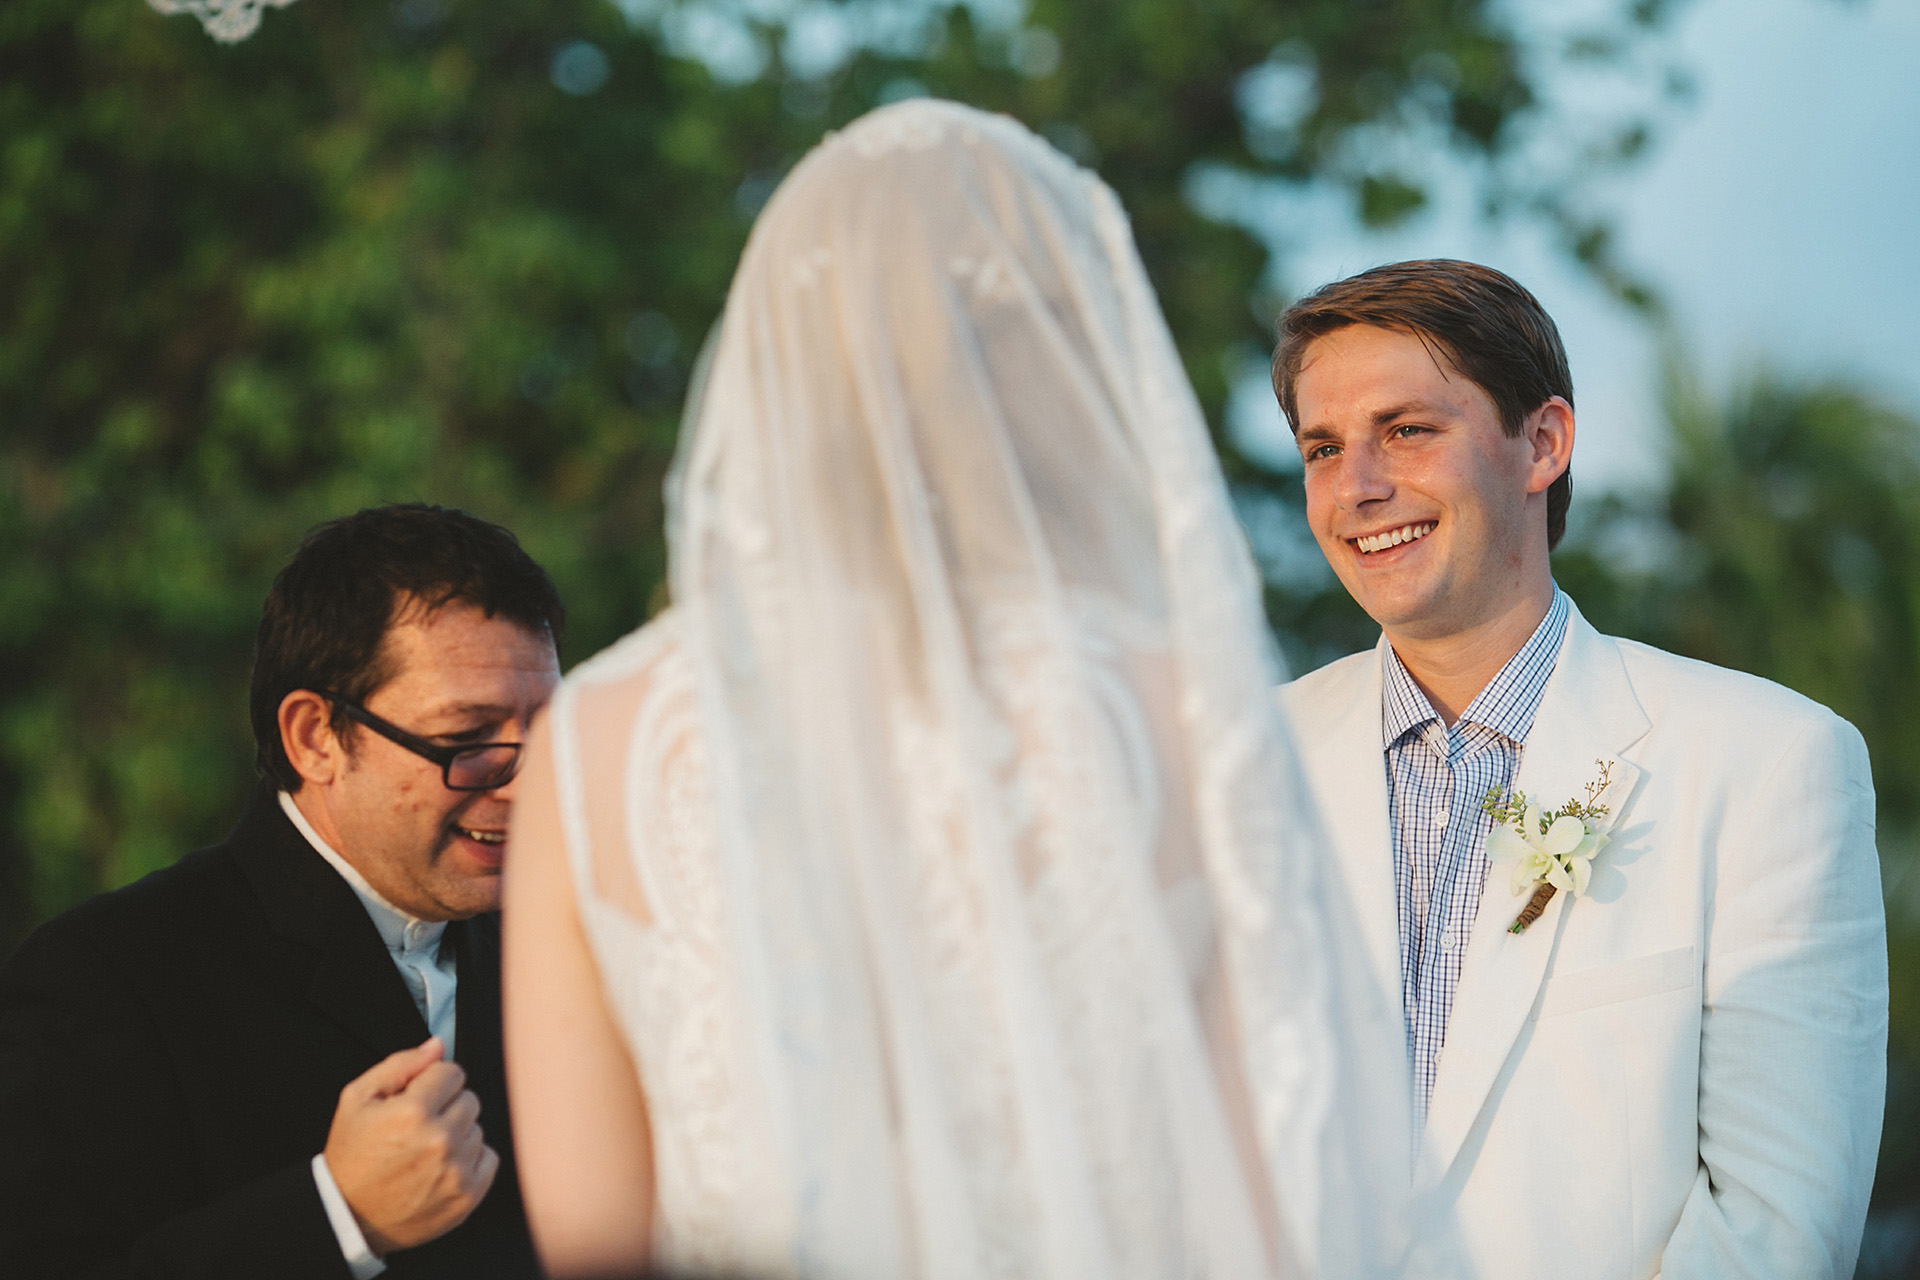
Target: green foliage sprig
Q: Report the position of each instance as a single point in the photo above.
(1509, 807)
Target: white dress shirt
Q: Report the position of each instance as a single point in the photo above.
(429, 974)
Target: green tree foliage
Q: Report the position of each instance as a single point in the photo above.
(412, 249)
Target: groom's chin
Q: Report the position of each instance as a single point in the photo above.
(1393, 600)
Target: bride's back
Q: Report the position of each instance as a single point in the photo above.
(939, 850)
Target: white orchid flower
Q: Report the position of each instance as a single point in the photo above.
(1562, 855)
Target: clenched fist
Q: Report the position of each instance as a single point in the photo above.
(406, 1149)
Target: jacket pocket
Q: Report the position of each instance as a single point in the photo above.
(1612, 983)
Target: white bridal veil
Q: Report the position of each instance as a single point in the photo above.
(941, 847)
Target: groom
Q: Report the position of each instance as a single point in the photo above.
(280, 1057)
(1680, 1071)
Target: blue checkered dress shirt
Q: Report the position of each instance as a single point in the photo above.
(1436, 778)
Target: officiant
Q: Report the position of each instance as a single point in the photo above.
(281, 1056)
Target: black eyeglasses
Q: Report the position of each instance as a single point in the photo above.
(481, 766)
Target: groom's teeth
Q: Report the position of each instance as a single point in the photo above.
(484, 837)
(1392, 537)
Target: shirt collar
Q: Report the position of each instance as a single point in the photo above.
(1508, 703)
(402, 932)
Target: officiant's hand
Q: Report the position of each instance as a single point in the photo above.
(406, 1149)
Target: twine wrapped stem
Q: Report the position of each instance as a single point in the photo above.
(1542, 895)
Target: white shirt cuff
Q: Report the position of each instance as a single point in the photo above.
(353, 1245)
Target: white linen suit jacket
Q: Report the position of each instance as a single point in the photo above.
(1682, 1073)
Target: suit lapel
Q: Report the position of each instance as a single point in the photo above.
(1588, 714)
(1338, 729)
(476, 944)
(352, 978)
(357, 986)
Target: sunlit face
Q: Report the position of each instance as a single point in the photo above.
(1431, 515)
(460, 677)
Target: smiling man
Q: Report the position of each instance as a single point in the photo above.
(1652, 1041)
(281, 1056)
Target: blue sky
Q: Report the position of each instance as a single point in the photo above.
(1779, 212)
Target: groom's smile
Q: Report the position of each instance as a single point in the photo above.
(1373, 544)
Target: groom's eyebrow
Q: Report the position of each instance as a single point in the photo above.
(1314, 433)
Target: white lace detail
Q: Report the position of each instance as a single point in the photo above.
(1032, 745)
(674, 998)
(228, 21)
(990, 278)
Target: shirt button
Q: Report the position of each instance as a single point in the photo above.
(1449, 941)
(1439, 817)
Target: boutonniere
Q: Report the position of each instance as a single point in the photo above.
(1550, 849)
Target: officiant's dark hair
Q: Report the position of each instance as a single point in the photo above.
(326, 619)
(1483, 321)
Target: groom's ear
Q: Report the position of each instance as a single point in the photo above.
(1549, 433)
(306, 734)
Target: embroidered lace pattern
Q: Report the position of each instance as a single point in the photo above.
(667, 975)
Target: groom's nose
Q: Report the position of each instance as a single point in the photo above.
(1362, 475)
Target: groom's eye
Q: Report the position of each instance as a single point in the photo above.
(1321, 451)
(1408, 429)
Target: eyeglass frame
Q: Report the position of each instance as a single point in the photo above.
(432, 752)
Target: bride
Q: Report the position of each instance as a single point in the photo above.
(928, 892)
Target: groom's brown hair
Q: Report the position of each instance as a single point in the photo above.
(1483, 321)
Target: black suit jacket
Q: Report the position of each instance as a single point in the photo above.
(171, 1055)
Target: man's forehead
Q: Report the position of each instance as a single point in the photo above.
(1363, 341)
(458, 641)
(1377, 378)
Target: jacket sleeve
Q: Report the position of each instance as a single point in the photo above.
(1793, 1035)
(100, 1175)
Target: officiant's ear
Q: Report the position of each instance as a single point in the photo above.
(306, 733)
(1549, 430)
